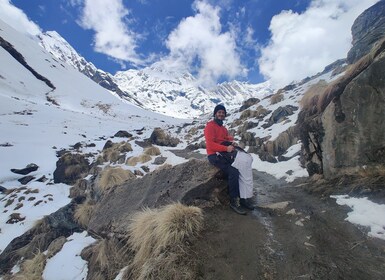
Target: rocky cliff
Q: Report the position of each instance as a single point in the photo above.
(367, 29)
(343, 129)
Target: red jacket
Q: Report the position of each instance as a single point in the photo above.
(214, 135)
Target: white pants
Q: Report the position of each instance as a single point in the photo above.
(243, 162)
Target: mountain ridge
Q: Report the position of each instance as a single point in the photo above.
(153, 88)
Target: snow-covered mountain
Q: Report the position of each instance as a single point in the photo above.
(155, 88)
(163, 91)
(41, 98)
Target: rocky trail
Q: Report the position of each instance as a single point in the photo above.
(292, 235)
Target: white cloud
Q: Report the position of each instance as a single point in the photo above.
(112, 36)
(17, 18)
(303, 44)
(199, 45)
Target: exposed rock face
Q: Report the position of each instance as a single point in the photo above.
(39, 238)
(193, 182)
(345, 132)
(358, 140)
(367, 29)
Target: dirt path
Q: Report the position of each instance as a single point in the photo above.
(299, 236)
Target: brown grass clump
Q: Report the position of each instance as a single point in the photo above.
(111, 177)
(258, 113)
(160, 238)
(245, 114)
(106, 254)
(106, 257)
(132, 161)
(371, 171)
(83, 213)
(152, 151)
(32, 269)
(310, 98)
(56, 246)
(113, 153)
(275, 98)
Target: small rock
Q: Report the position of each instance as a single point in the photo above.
(42, 179)
(308, 244)
(25, 180)
(291, 212)
(123, 134)
(145, 168)
(28, 169)
(160, 160)
(278, 205)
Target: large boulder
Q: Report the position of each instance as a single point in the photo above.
(70, 168)
(38, 239)
(161, 138)
(280, 114)
(357, 140)
(193, 183)
(344, 132)
(26, 170)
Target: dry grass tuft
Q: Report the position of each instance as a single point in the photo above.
(258, 113)
(160, 238)
(83, 213)
(275, 98)
(371, 171)
(132, 161)
(113, 153)
(56, 246)
(152, 151)
(310, 98)
(102, 254)
(106, 257)
(111, 177)
(32, 269)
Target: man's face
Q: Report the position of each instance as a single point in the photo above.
(220, 115)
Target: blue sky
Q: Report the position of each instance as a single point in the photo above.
(216, 40)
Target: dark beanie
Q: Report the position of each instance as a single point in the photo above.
(219, 107)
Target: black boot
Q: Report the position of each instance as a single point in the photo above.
(236, 206)
(247, 203)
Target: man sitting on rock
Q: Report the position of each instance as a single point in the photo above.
(220, 147)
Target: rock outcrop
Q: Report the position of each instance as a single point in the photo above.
(367, 29)
(344, 132)
(356, 141)
(193, 183)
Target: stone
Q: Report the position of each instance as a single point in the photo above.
(357, 140)
(70, 167)
(123, 134)
(161, 138)
(26, 179)
(191, 183)
(26, 170)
